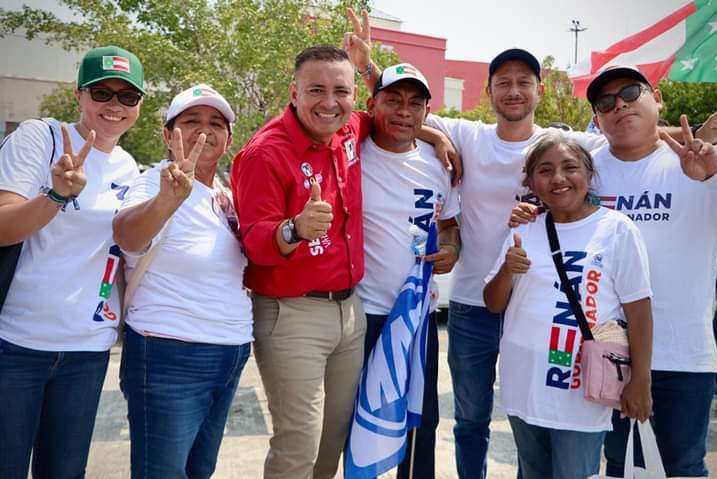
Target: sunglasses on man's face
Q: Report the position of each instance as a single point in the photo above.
(630, 93)
(103, 94)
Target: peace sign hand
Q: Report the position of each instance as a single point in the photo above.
(68, 173)
(358, 42)
(176, 179)
(698, 159)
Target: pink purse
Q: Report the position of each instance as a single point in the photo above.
(606, 364)
(606, 370)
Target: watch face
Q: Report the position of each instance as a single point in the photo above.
(286, 232)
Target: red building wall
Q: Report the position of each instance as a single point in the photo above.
(474, 76)
(426, 53)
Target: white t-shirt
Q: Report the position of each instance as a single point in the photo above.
(193, 289)
(491, 187)
(58, 297)
(678, 219)
(399, 190)
(540, 380)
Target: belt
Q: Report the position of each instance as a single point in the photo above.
(331, 295)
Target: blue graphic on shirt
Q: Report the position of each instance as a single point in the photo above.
(642, 207)
(563, 343)
(122, 190)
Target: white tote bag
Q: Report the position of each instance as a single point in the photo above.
(653, 463)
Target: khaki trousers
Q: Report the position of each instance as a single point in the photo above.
(310, 353)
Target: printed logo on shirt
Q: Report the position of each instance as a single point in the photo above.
(103, 312)
(528, 198)
(423, 202)
(645, 207)
(564, 370)
(122, 190)
(318, 246)
(317, 178)
(307, 170)
(350, 149)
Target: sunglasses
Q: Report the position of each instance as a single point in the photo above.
(630, 93)
(102, 94)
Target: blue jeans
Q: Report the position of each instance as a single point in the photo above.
(681, 414)
(473, 337)
(48, 404)
(425, 436)
(555, 453)
(178, 396)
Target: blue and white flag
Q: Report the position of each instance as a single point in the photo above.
(390, 395)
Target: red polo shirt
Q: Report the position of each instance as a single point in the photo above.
(270, 181)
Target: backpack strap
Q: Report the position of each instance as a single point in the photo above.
(52, 135)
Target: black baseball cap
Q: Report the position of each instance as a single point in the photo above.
(514, 54)
(606, 75)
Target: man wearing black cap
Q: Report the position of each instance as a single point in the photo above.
(493, 157)
(403, 180)
(669, 191)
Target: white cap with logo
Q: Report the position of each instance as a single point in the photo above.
(400, 72)
(197, 95)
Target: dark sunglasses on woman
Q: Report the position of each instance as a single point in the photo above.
(630, 93)
(102, 94)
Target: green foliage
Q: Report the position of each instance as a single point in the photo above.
(696, 100)
(243, 48)
(556, 105)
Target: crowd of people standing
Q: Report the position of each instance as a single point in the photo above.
(305, 252)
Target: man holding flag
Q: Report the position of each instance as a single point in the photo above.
(407, 193)
(408, 199)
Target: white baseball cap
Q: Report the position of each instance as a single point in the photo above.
(400, 72)
(197, 95)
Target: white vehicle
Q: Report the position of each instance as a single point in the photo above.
(445, 284)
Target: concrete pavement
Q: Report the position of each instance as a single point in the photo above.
(246, 436)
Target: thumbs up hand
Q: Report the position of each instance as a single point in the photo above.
(315, 219)
(516, 259)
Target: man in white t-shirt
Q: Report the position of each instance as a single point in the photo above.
(669, 191)
(405, 189)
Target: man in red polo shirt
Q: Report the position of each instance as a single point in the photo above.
(297, 187)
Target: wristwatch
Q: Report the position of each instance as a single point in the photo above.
(288, 232)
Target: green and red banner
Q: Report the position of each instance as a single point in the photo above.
(681, 47)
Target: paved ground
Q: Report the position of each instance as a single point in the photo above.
(247, 432)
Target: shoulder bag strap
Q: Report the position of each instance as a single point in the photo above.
(557, 255)
(141, 268)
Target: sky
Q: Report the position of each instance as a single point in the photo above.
(480, 29)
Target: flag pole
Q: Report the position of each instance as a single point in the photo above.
(413, 451)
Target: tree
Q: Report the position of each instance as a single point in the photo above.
(556, 105)
(696, 100)
(243, 48)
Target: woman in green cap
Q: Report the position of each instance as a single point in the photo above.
(60, 186)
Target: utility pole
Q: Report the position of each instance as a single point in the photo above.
(577, 29)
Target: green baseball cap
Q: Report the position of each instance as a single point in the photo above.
(103, 63)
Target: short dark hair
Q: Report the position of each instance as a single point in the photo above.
(320, 53)
(550, 140)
